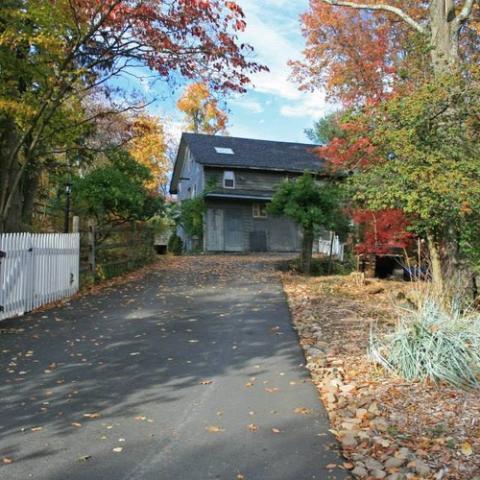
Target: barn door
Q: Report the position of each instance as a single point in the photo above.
(233, 227)
(215, 240)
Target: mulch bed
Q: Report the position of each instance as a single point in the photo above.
(388, 428)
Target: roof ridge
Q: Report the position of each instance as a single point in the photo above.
(313, 145)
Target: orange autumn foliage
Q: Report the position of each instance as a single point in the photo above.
(357, 56)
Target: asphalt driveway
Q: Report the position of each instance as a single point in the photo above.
(191, 373)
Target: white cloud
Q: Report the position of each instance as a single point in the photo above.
(277, 40)
(313, 106)
(250, 105)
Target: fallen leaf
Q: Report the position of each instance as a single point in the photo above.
(91, 415)
(252, 427)
(466, 449)
(206, 382)
(7, 461)
(249, 384)
(331, 466)
(214, 429)
(271, 390)
(36, 429)
(303, 411)
(275, 430)
(117, 449)
(76, 424)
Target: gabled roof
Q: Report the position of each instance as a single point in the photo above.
(247, 154)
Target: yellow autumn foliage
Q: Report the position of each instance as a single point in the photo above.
(201, 110)
(149, 147)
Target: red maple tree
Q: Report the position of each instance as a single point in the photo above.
(381, 232)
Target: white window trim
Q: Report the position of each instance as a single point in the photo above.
(257, 209)
(228, 175)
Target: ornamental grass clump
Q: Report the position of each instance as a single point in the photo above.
(431, 344)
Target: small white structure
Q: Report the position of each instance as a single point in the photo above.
(36, 269)
(332, 246)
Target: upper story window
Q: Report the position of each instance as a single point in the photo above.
(224, 151)
(228, 179)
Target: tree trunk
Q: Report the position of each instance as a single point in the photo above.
(436, 269)
(444, 36)
(307, 248)
(30, 188)
(10, 221)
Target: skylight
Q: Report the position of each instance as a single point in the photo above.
(224, 151)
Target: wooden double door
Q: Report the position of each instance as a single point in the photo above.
(225, 230)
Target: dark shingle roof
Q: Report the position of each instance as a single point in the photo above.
(249, 153)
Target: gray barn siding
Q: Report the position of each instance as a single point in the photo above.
(245, 179)
(283, 235)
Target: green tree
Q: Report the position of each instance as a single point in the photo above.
(192, 212)
(56, 55)
(325, 130)
(311, 204)
(116, 192)
(427, 163)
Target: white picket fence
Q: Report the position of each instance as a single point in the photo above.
(338, 248)
(36, 269)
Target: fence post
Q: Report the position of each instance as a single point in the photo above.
(91, 254)
(75, 224)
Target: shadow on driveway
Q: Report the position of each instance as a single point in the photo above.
(133, 383)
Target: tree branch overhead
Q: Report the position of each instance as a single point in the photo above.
(381, 7)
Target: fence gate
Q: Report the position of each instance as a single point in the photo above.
(36, 269)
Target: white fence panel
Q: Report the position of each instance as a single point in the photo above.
(338, 248)
(36, 269)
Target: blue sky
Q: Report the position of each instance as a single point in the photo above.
(273, 108)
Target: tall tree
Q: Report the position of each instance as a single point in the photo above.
(201, 110)
(439, 22)
(427, 163)
(148, 147)
(381, 52)
(363, 52)
(56, 53)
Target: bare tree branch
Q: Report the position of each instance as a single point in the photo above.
(382, 7)
(465, 12)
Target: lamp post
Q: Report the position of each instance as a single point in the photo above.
(68, 192)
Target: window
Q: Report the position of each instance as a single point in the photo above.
(224, 151)
(228, 179)
(259, 210)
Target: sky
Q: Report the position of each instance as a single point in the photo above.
(273, 108)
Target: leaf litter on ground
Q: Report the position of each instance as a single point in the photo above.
(386, 426)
